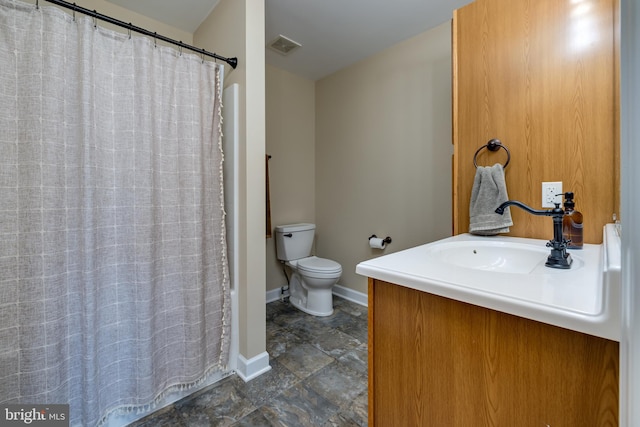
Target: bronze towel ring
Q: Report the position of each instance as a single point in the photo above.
(493, 145)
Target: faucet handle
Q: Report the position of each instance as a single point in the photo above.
(558, 244)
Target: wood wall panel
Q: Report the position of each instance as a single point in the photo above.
(541, 76)
(439, 362)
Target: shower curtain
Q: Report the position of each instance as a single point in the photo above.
(113, 274)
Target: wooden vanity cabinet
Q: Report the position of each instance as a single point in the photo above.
(438, 362)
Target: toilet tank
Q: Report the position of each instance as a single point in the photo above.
(294, 241)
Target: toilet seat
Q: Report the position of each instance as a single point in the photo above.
(314, 265)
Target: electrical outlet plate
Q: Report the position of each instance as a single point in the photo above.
(551, 194)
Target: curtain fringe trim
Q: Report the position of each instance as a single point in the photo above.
(226, 304)
(153, 405)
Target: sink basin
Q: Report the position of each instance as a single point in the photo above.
(497, 256)
(508, 274)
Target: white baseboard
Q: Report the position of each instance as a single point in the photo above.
(254, 367)
(341, 291)
(351, 295)
(273, 295)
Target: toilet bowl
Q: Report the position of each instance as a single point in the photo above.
(311, 284)
(312, 278)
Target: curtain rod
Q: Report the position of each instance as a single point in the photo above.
(233, 62)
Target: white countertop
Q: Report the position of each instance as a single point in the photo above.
(582, 298)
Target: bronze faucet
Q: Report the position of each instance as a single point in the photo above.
(559, 258)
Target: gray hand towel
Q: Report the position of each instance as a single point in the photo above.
(488, 192)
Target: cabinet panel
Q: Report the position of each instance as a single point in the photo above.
(438, 362)
(540, 76)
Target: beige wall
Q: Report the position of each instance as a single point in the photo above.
(236, 28)
(379, 161)
(383, 152)
(291, 143)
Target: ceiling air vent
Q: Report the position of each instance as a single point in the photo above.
(283, 45)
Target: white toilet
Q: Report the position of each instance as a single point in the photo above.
(310, 286)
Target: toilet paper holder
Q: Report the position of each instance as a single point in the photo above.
(386, 240)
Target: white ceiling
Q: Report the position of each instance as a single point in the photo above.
(333, 33)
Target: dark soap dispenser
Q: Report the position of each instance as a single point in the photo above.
(571, 223)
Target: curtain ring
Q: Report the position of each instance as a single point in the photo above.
(37, 4)
(155, 41)
(74, 12)
(203, 55)
(95, 19)
(180, 50)
(129, 30)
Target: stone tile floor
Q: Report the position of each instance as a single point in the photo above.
(318, 377)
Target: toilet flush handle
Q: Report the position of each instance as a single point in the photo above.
(288, 235)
